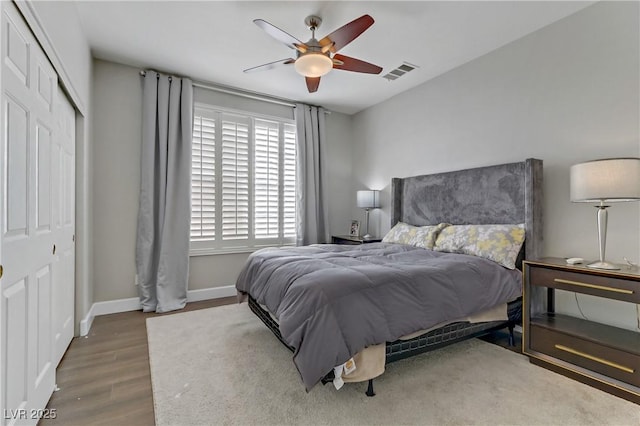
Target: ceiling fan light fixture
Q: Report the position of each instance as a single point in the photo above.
(313, 65)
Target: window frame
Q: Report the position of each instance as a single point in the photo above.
(217, 246)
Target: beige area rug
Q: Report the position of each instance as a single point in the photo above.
(223, 366)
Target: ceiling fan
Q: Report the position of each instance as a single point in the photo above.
(316, 58)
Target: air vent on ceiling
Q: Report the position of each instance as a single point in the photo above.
(400, 71)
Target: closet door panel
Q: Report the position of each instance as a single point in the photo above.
(42, 324)
(14, 338)
(16, 47)
(43, 178)
(64, 229)
(16, 218)
(31, 258)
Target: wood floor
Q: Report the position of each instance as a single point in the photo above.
(104, 378)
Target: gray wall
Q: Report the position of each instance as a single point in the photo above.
(565, 94)
(117, 127)
(117, 108)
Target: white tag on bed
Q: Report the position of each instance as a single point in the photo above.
(349, 366)
(337, 381)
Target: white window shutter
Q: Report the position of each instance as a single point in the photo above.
(266, 179)
(203, 186)
(289, 182)
(243, 186)
(235, 178)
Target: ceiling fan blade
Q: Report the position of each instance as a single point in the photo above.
(347, 33)
(312, 83)
(271, 65)
(355, 65)
(281, 36)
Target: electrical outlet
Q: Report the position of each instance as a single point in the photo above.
(136, 282)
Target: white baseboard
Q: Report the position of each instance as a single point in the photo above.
(85, 324)
(133, 304)
(211, 293)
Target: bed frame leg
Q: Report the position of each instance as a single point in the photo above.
(370, 391)
(512, 341)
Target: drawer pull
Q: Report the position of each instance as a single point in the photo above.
(595, 358)
(597, 287)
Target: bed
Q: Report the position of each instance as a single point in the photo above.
(329, 303)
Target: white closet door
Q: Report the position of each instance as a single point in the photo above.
(63, 215)
(37, 184)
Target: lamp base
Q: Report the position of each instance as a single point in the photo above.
(603, 265)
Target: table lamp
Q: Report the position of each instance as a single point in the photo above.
(367, 200)
(603, 181)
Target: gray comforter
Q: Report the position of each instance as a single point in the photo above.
(331, 301)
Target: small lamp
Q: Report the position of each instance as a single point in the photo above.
(605, 181)
(367, 200)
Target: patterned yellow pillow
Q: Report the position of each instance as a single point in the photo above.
(401, 233)
(499, 243)
(426, 235)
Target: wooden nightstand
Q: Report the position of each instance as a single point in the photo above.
(348, 239)
(599, 355)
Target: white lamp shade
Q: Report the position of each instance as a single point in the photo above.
(610, 180)
(313, 65)
(368, 199)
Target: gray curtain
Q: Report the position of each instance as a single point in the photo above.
(312, 225)
(162, 245)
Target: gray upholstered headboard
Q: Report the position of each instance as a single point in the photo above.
(502, 194)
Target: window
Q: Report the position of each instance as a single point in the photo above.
(243, 181)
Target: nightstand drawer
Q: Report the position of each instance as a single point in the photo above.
(602, 359)
(596, 285)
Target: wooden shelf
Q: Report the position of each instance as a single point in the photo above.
(603, 334)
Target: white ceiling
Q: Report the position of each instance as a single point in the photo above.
(214, 41)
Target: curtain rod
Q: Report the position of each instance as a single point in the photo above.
(242, 93)
(238, 92)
